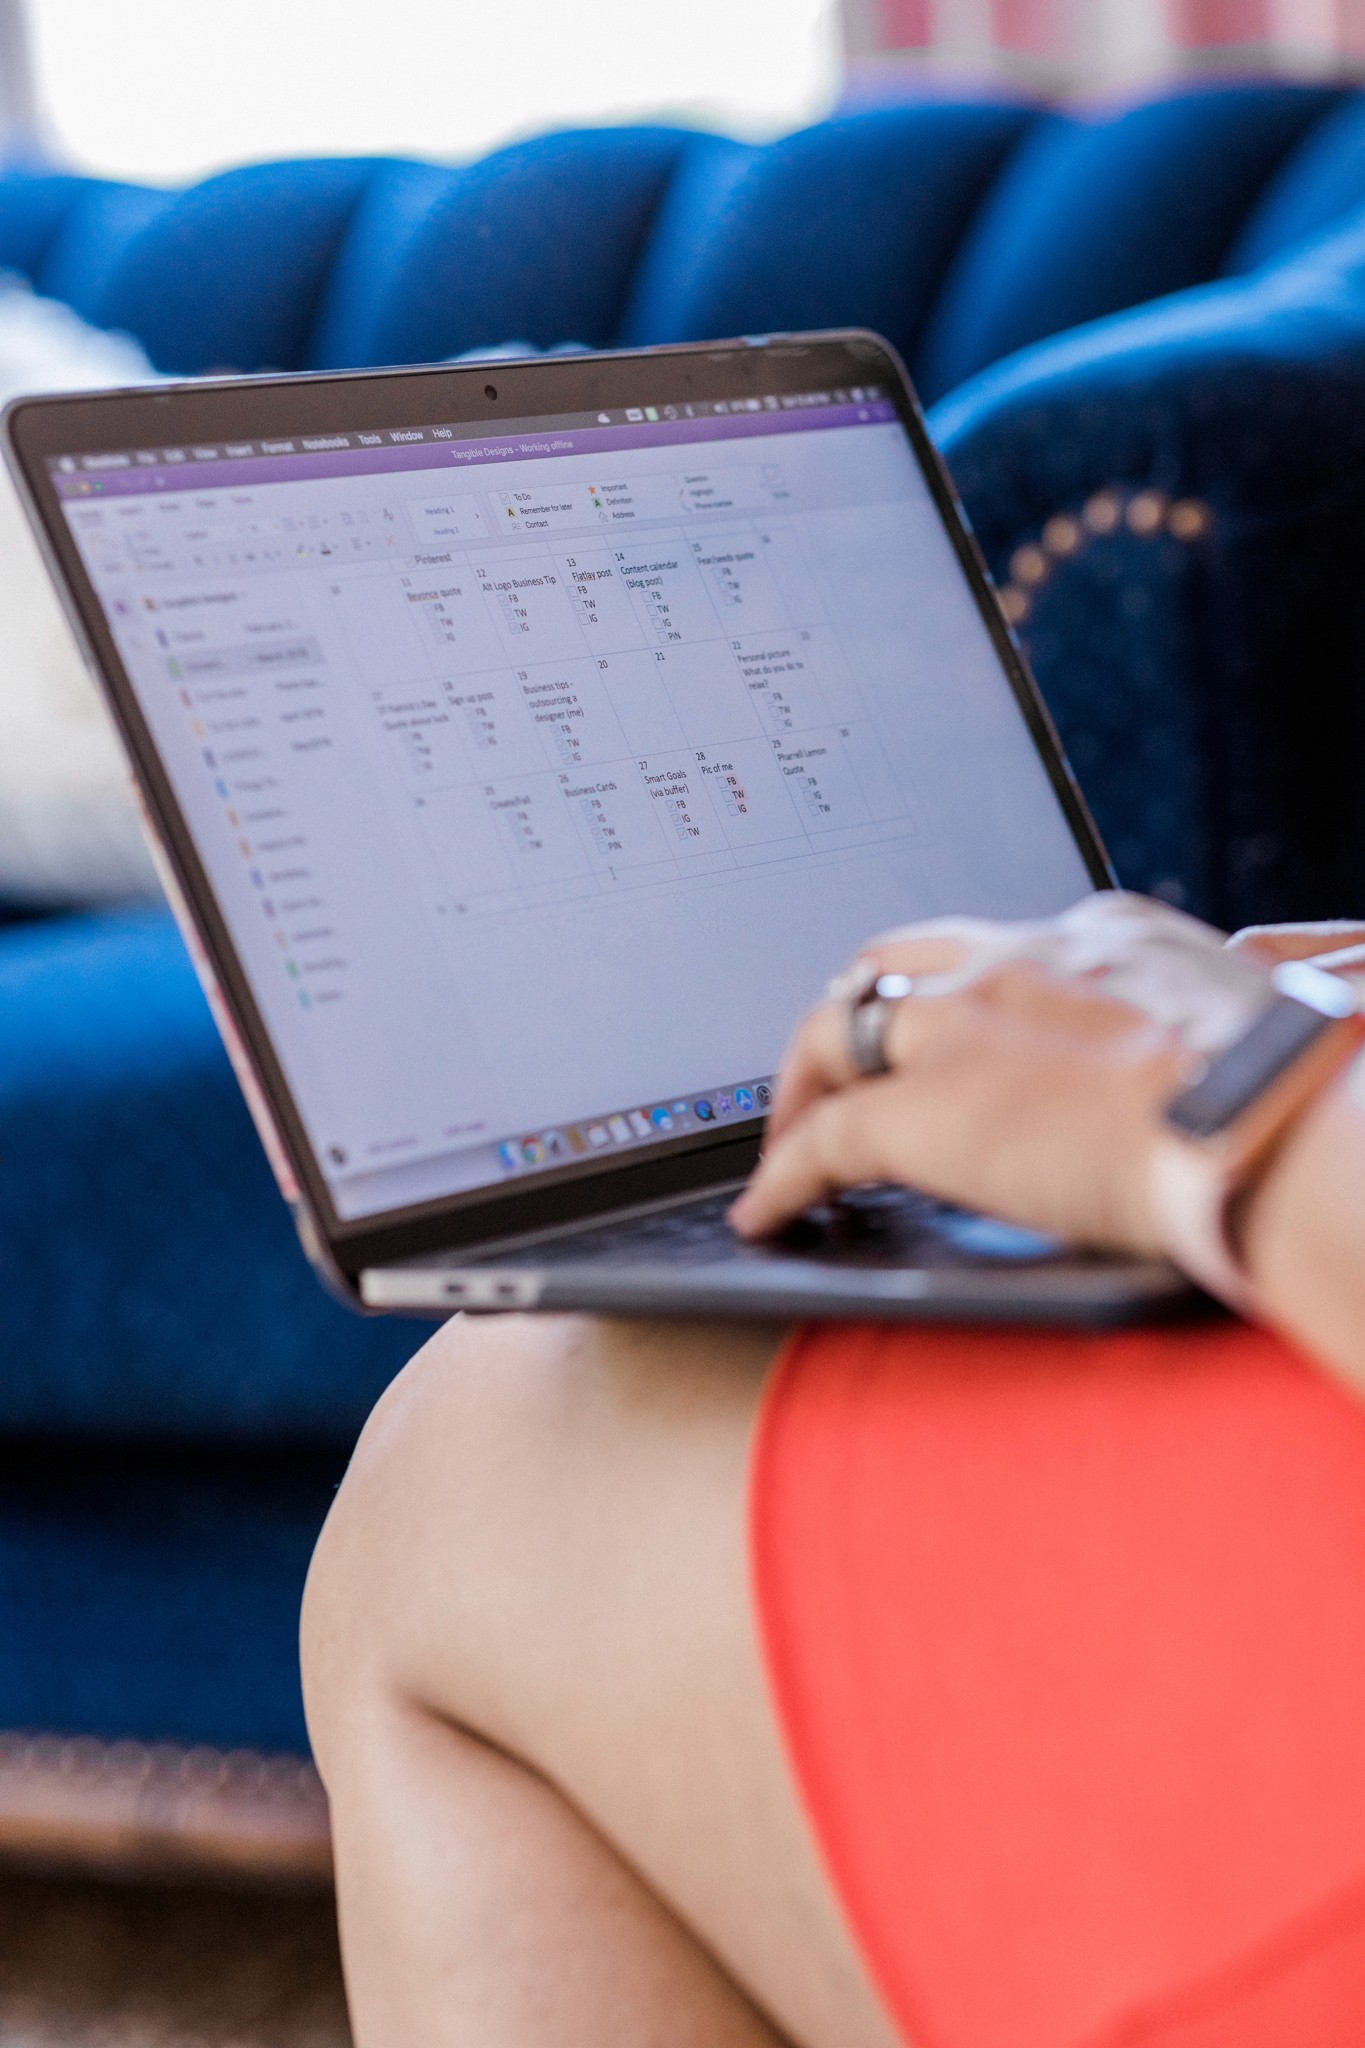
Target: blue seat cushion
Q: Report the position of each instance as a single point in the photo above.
(150, 1282)
(153, 1595)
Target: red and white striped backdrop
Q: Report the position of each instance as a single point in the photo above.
(1220, 24)
(907, 24)
(1350, 26)
(1094, 38)
(1038, 28)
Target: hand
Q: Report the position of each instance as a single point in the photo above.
(1027, 1079)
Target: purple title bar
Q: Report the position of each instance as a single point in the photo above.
(448, 455)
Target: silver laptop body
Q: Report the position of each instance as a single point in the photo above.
(525, 746)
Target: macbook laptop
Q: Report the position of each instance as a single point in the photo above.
(526, 744)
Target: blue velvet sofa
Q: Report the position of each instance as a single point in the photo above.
(1142, 334)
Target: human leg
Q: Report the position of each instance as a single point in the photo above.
(562, 1809)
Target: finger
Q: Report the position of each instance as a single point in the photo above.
(903, 953)
(1273, 943)
(816, 1062)
(864, 1131)
(819, 1062)
(840, 1143)
(817, 1059)
(1026, 1123)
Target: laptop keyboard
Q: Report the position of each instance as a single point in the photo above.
(871, 1227)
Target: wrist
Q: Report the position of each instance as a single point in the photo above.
(1267, 1217)
(1300, 1232)
(1220, 1137)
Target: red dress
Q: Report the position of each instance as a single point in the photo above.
(1067, 1638)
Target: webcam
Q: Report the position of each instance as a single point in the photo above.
(490, 390)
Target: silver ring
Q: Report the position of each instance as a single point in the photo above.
(867, 1016)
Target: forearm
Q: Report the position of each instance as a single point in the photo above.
(1303, 1236)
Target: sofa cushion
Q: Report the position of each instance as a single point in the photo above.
(152, 1286)
(540, 239)
(33, 207)
(1098, 214)
(1319, 183)
(258, 242)
(851, 223)
(84, 255)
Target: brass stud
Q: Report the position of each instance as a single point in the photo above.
(1189, 519)
(1147, 513)
(1030, 566)
(1062, 535)
(1103, 512)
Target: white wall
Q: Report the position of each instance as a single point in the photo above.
(18, 111)
(169, 89)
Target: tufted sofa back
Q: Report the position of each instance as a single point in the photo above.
(1172, 498)
(963, 231)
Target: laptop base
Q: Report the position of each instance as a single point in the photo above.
(882, 1255)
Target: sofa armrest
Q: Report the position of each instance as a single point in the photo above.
(1173, 502)
(151, 1286)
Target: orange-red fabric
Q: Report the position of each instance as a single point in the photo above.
(1067, 1638)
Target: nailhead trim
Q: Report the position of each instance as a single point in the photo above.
(1147, 514)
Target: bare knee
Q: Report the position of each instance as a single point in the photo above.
(523, 1485)
(419, 1534)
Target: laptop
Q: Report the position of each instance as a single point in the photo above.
(525, 745)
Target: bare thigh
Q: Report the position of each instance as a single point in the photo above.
(542, 1540)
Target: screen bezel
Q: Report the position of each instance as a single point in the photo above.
(216, 410)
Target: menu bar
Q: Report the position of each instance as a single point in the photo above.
(130, 469)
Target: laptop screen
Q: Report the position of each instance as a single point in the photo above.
(544, 777)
